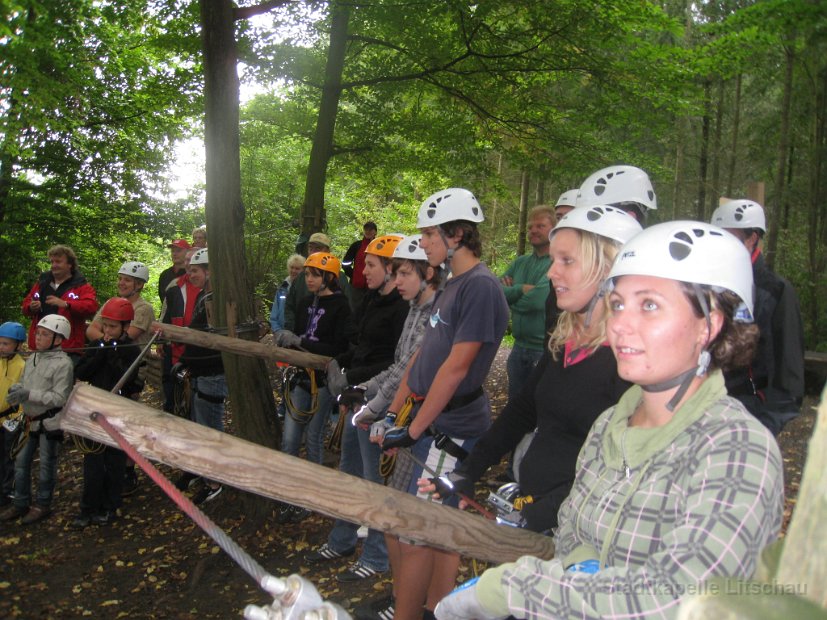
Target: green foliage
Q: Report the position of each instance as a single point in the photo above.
(94, 95)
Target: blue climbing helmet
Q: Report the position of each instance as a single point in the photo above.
(13, 331)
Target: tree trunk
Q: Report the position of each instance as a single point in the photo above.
(817, 213)
(525, 182)
(540, 193)
(704, 159)
(247, 377)
(783, 150)
(313, 209)
(716, 149)
(683, 129)
(11, 129)
(736, 123)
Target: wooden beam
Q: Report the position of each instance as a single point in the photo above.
(815, 360)
(249, 348)
(251, 467)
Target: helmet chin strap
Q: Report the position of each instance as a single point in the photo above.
(422, 286)
(684, 380)
(446, 269)
(323, 286)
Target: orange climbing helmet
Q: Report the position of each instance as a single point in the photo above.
(384, 245)
(325, 262)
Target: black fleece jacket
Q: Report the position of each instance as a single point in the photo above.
(375, 330)
(562, 403)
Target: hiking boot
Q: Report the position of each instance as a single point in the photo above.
(379, 609)
(325, 553)
(103, 518)
(81, 522)
(291, 514)
(13, 512)
(35, 514)
(206, 494)
(185, 480)
(356, 572)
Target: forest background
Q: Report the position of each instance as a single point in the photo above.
(362, 110)
(366, 108)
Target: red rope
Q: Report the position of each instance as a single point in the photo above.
(241, 557)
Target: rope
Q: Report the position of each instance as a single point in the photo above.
(87, 446)
(299, 415)
(230, 547)
(334, 443)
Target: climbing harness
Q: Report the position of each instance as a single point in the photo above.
(306, 379)
(507, 502)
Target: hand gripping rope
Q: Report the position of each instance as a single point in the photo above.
(294, 598)
(468, 500)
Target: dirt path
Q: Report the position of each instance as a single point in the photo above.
(154, 563)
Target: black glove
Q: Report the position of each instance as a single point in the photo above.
(397, 437)
(454, 483)
(352, 397)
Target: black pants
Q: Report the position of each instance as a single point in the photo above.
(168, 381)
(7, 440)
(102, 480)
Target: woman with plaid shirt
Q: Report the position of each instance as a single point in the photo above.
(677, 483)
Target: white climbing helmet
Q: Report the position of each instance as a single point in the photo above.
(200, 257)
(615, 185)
(454, 203)
(567, 198)
(134, 269)
(740, 214)
(410, 249)
(57, 324)
(603, 220)
(693, 252)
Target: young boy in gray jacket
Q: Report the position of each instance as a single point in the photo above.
(43, 390)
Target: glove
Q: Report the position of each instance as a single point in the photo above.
(454, 482)
(287, 339)
(336, 378)
(352, 397)
(17, 394)
(364, 415)
(397, 437)
(464, 604)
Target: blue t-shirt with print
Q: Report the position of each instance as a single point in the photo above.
(471, 308)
